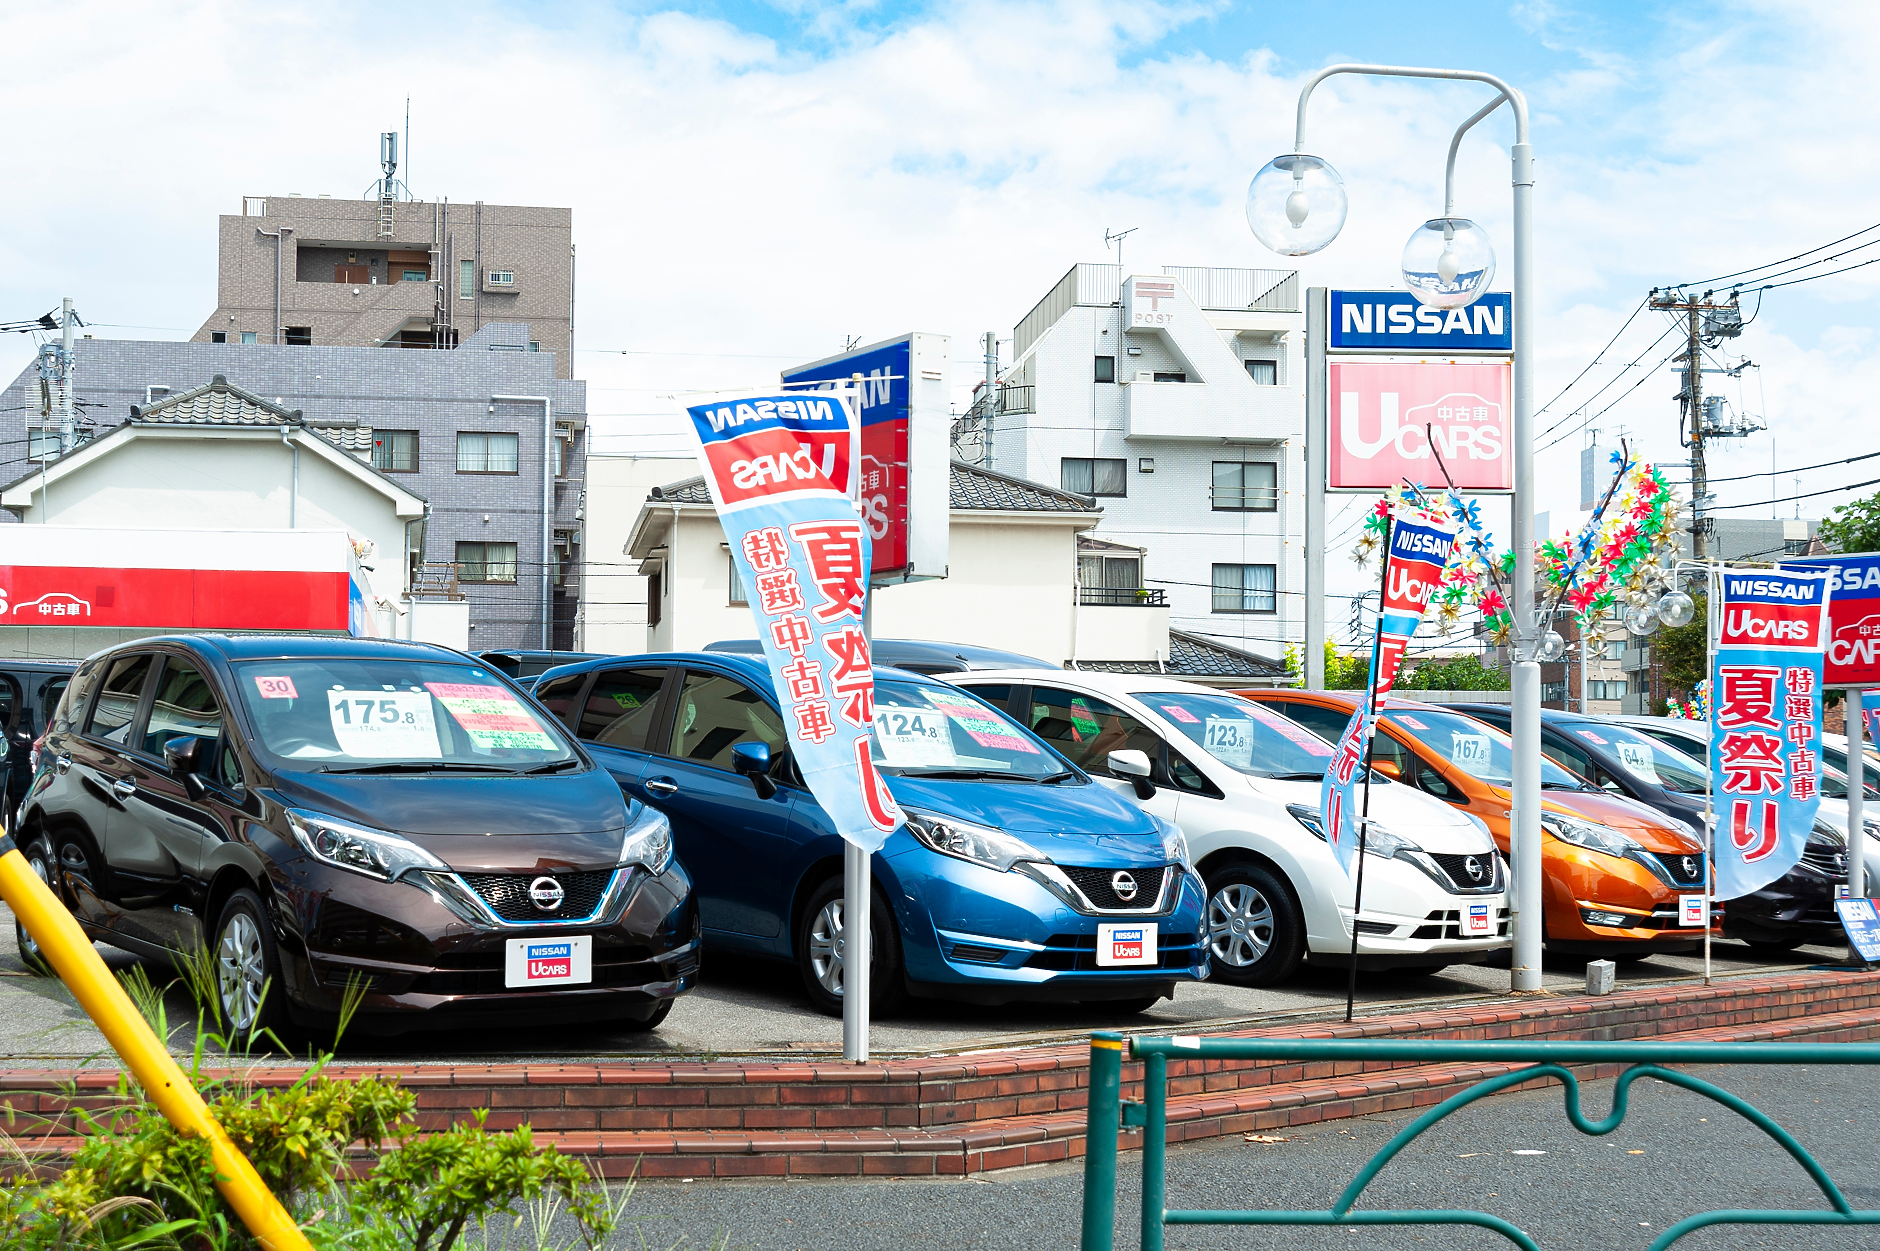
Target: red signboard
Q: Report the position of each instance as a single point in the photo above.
(1390, 421)
(199, 599)
(1852, 657)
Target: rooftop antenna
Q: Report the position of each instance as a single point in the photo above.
(407, 141)
(1117, 238)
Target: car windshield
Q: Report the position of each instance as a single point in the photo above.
(1244, 736)
(1479, 750)
(927, 730)
(1644, 757)
(332, 714)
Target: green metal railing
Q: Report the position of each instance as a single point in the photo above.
(1108, 1114)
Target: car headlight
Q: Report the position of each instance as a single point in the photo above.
(1378, 841)
(1592, 837)
(1174, 842)
(963, 840)
(374, 853)
(648, 841)
(1825, 833)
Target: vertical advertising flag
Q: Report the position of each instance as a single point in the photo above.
(1413, 570)
(780, 468)
(1765, 754)
(1870, 721)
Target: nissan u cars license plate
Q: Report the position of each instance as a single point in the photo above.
(1480, 922)
(549, 961)
(1125, 946)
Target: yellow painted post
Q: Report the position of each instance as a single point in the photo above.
(85, 975)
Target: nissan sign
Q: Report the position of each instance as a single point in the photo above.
(1853, 651)
(1393, 321)
(1393, 420)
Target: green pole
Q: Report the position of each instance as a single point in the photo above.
(1103, 1124)
(1154, 1148)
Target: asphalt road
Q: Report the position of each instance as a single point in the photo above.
(755, 1008)
(1515, 1156)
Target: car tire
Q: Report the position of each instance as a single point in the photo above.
(38, 855)
(820, 923)
(248, 984)
(651, 1023)
(1254, 932)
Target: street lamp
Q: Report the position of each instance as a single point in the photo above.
(1292, 202)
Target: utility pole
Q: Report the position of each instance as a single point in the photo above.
(68, 421)
(1724, 322)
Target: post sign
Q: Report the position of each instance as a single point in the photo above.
(1853, 656)
(1390, 420)
(1395, 321)
(904, 474)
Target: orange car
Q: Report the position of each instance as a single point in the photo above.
(1612, 871)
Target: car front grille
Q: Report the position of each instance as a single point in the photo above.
(975, 953)
(1674, 867)
(1097, 886)
(1077, 953)
(1827, 858)
(1448, 924)
(507, 894)
(1456, 868)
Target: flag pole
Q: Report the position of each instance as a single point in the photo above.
(857, 867)
(1370, 746)
(1711, 592)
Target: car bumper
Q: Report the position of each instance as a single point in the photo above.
(1407, 917)
(426, 968)
(981, 936)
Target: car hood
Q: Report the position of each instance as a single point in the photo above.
(1070, 823)
(1426, 821)
(1642, 824)
(467, 804)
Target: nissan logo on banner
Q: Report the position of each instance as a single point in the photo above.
(1391, 420)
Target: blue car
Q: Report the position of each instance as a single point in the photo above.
(1016, 877)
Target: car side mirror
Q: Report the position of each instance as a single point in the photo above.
(1389, 769)
(1133, 766)
(183, 754)
(752, 760)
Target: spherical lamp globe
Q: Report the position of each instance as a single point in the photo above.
(1296, 204)
(1448, 262)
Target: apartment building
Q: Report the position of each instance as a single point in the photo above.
(300, 271)
(1176, 401)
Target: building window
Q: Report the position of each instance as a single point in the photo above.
(248, 336)
(1246, 486)
(1165, 376)
(478, 452)
(466, 279)
(41, 444)
(1245, 588)
(1087, 476)
(1613, 649)
(486, 562)
(1264, 373)
(736, 593)
(1795, 547)
(652, 599)
(1606, 690)
(299, 336)
(218, 336)
(535, 345)
(1106, 369)
(395, 451)
(1554, 693)
(502, 277)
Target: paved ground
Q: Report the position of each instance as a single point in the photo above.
(1514, 1156)
(758, 1008)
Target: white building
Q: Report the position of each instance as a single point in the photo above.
(1177, 401)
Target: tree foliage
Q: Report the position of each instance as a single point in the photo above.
(1853, 527)
(1459, 673)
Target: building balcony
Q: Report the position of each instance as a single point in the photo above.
(1114, 633)
(1635, 659)
(1195, 410)
(1123, 597)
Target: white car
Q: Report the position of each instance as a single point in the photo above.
(1693, 739)
(1242, 783)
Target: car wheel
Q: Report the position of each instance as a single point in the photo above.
(652, 1022)
(820, 944)
(248, 982)
(1255, 936)
(39, 856)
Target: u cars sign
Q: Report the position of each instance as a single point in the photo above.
(1392, 421)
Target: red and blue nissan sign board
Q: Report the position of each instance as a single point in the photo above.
(183, 580)
(1853, 652)
(904, 479)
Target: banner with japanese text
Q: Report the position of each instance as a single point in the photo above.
(1765, 755)
(780, 469)
(1413, 570)
(1870, 720)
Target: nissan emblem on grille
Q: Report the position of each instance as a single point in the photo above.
(545, 893)
(1690, 866)
(1473, 868)
(1124, 885)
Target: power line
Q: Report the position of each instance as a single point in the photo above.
(1595, 361)
(1777, 473)
(1852, 486)
(1784, 261)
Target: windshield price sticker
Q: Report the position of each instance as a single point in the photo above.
(1292, 732)
(276, 688)
(490, 715)
(1230, 740)
(1591, 737)
(1412, 722)
(913, 736)
(982, 727)
(1081, 718)
(383, 725)
(1638, 758)
(1181, 714)
(1469, 750)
